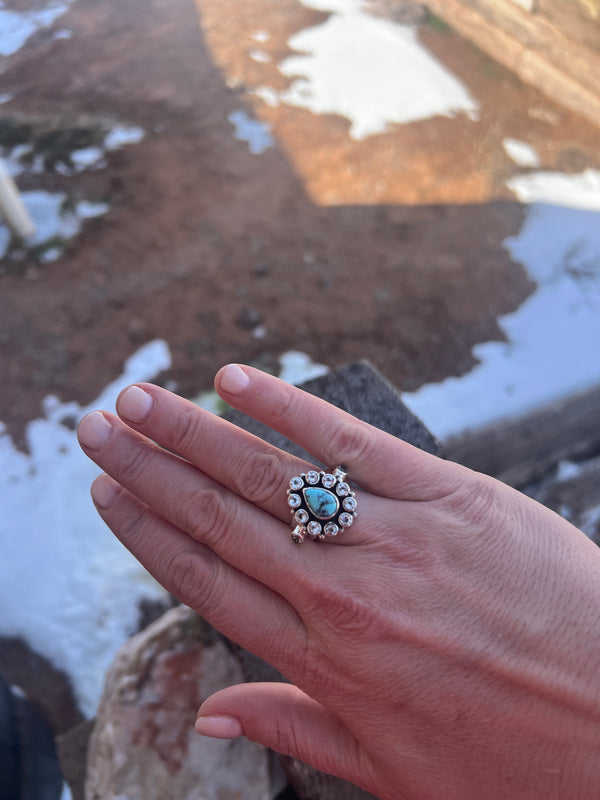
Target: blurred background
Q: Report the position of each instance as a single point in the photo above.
(294, 184)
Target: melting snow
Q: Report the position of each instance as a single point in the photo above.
(552, 339)
(52, 220)
(256, 133)
(66, 584)
(369, 70)
(522, 153)
(297, 367)
(17, 26)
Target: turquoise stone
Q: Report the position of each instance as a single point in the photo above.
(320, 502)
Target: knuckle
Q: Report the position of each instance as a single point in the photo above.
(259, 478)
(184, 576)
(131, 528)
(206, 515)
(474, 500)
(350, 443)
(132, 463)
(283, 404)
(345, 611)
(183, 429)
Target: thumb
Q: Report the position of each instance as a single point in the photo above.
(285, 719)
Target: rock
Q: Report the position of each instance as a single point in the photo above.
(361, 390)
(144, 746)
(71, 748)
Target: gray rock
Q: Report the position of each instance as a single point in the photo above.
(361, 390)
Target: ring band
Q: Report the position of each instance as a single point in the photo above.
(322, 504)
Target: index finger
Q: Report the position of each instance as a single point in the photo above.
(378, 461)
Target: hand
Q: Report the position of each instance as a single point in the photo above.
(446, 646)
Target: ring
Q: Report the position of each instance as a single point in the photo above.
(322, 504)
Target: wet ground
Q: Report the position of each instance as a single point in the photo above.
(388, 247)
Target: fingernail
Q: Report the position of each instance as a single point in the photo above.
(219, 727)
(234, 380)
(135, 404)
(94, 430)
(103, 491)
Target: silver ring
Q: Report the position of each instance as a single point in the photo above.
(322, 504)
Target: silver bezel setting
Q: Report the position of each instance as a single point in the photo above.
(306, 522)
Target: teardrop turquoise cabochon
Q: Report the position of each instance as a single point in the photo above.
(320, 502)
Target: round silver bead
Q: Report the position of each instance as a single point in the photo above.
(314, 528)
(345, 520)
(349, 503)
(301, 516)
(294, 501)
(312, 477)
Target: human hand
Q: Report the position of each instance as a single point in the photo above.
(444, 646)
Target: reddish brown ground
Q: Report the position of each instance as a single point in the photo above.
(389, 249)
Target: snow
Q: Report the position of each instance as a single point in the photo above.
(47, 208)
(369, 70)
(86, 157)
(297, 367)
(256, 133)
(51, 220)
(121, 135)
(552, 339)
(260, 56)
(66, 585)
(522, 153)
(16, 27)
(94, 157)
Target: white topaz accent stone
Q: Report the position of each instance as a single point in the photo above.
(294, 501)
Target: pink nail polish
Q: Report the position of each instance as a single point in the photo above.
(135, 404)
(234, 380)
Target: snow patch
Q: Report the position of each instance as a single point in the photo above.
(16, 27)
(552, 339)
(256, 133)
(522, 153)
(122, 135)
(261, 36)
(67, 586)
(260, 56)
(53, 221)
(297, 367)
(369, 70)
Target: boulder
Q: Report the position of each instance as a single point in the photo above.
(144, 746)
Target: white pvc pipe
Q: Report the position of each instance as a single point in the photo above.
(12, 209)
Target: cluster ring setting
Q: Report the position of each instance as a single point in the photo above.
(322, 504)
